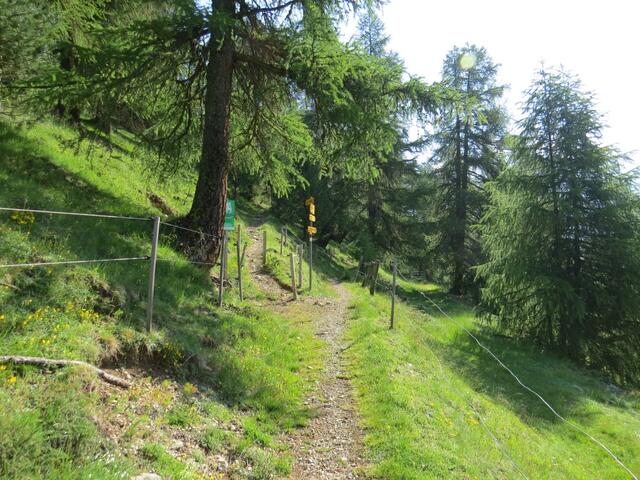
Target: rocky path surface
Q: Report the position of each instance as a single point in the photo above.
(330, 446)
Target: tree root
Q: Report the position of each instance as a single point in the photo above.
(47, 362)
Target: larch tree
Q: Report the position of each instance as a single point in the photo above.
(231, 75)
(392, 161)
(561, 235)
(467, 141)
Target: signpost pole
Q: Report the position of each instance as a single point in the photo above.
(311, 231)
(310, 262)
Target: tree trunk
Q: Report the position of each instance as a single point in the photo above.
(209, 202)
(457, 284)
(67, 61)
(372, 211)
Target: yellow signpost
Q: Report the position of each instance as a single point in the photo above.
(311, 230)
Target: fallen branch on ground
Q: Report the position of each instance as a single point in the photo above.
(47, 362)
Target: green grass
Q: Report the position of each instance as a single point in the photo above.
(279, 266)
(245, 363)
(431, 400)
(233, 379)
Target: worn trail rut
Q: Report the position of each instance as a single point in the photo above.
(330, 446)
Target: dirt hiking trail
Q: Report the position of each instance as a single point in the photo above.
(331, 445)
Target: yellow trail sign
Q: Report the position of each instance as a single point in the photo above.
(312, 218)
(310, 201)
(312, 230)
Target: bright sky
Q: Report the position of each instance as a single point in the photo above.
(597, 40)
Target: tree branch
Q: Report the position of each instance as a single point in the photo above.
(47, 362)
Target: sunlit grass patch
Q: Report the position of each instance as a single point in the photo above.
(435, 405)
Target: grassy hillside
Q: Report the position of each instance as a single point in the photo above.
(213, 380)
(214, 388)
(435, 405)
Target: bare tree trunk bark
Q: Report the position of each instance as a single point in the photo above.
(209, 202)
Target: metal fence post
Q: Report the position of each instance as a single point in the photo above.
(223, 261)
(393, 294)
(152, 271)
(238, 242)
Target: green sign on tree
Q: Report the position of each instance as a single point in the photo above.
(230, 215)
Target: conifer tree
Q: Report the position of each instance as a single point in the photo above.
(561, 235)
(228, 75)
(466, 155)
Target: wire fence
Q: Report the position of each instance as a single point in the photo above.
(74, 262)
(523, 385)
(152, 258)
(75, 214)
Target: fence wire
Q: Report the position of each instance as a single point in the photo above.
(526, 387)
(180, 227)
(74, 262)
(75, 214)
(480, 419)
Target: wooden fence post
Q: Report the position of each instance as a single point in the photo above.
(264, 248)
(238, 242)
(300, 257)
(365, 274)
(293, 276)
(223, 268)
(281, 240)
(393, 294)
(374, 277)
(152, 271)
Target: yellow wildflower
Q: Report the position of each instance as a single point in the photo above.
(11, 380)
(3, 368)
(189, 389)
(1, 317)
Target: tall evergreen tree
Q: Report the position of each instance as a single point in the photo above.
(366, 204)
(231, 74)
(466, 155)
(561, 235)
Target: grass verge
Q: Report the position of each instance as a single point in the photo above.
(435, 405)
(212, 387)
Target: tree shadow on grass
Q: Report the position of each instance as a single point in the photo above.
(566, 387)
(184, 307)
